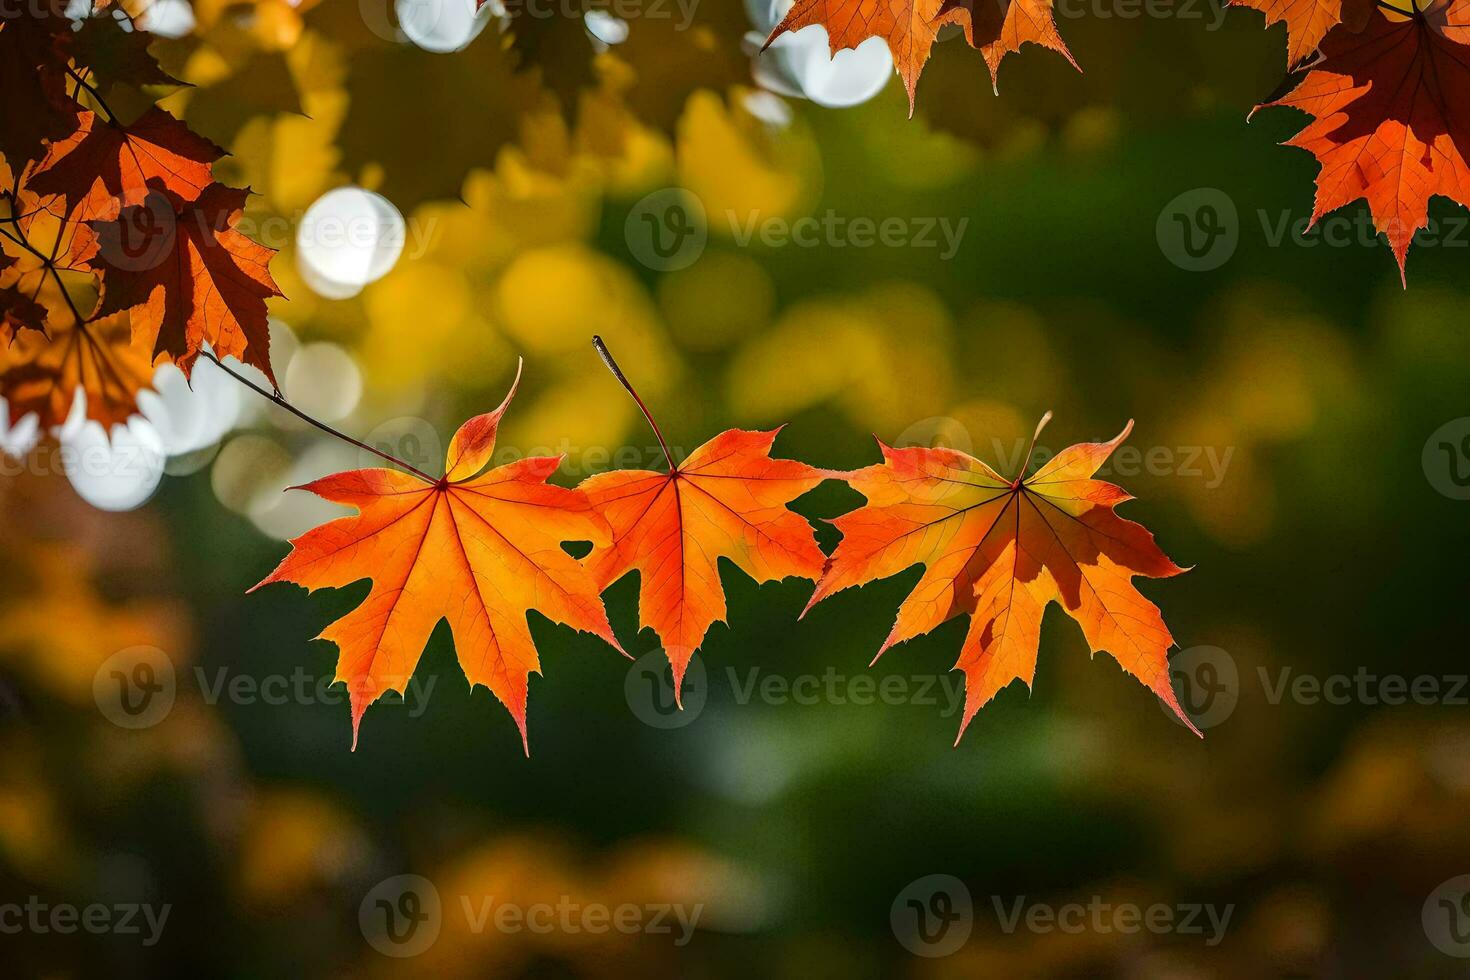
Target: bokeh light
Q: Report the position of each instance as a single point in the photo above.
(442, 26)
(801, 63)
(348, 238)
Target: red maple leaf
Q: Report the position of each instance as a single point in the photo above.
(20, 312)
(1391, 116)
(1308, 21)
(726, 500)
(999, 551)
(479, 547)
(104, 167)
(910, 28)
(189, 277)
(34, 110)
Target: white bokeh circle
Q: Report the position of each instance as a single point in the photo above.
(441, 26)
(349, 237)
(800, 64)
(113, 471)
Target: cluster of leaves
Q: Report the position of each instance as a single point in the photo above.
(1386, 82)
(120, 249)
(531, 60)
(481, 548)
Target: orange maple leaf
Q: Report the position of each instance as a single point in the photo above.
(103, 167)
(999, 27)
(1308, 21)
(35, 239)
(41, 372)
(64, 348)
(189, 277)
(18, 307)
(32, 69)
(999, 551)
(1391, 116)
(19, 311)
(995, 27)
(726, 500)
(478, 549)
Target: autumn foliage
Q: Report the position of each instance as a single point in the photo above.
(1390, 108)
(481, 548)
(727, 500)
(999, 551)
(478, 547)
(1387, 84)
(120, 249)
(995, 27)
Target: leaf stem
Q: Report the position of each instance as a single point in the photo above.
(70, 303)
(276, 399)
(19, 237)
(1021, 476)
(92, 91)
(617, 372)
(48, 263)
(49, 266)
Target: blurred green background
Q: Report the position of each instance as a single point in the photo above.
(1327, 542)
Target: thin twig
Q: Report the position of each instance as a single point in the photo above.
(276, 399)
(49, 265)
(111, 116)
(1021, 476)
(15, 219)
(70, 303)
(617, 372)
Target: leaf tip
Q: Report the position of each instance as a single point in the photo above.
(964, 725)
(357, 711)
(612, 640)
